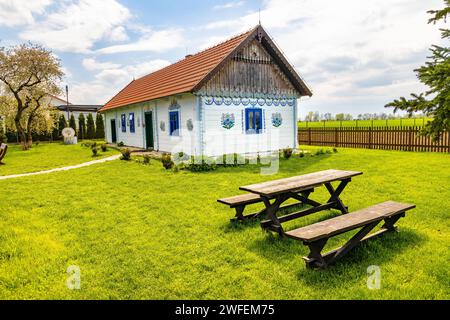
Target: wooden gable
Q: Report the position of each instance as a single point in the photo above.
(250, 72)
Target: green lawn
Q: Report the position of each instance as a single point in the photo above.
(46, 156)
(365, 123)
(140, 232)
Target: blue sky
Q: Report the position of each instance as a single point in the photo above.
(355, 55)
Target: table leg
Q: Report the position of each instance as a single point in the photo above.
(271, 210)
(338, 204)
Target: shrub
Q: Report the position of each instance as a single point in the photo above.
(335, 150)
(201, 164)
(287, 153)
(302, 154)
(81, 126)
(104, 147)
(320, 152)
(126, 154)
(72, 123)
(176, 169)
(167, 161)
(121, 144)
(94, 151)
(232, 160)
(146, 158)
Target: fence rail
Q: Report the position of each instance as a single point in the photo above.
(386, 138)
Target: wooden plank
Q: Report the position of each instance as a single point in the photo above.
(341, 224)
(243, 199)
(298, 183)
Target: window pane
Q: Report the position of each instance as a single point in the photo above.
(251, 120)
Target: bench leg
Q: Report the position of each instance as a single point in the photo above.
(318, 260)
(389, 223)
(271, 210)
(240, 214)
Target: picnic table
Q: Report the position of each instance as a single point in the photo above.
(300, 188)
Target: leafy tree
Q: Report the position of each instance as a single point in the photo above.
(2, 130)
(340, 117)
(90, 130)
(28, 73)
(61, 124)
(81, 126)
(73, 123)
(435, 74)
(99, 127)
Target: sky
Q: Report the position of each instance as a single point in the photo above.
(355, 55)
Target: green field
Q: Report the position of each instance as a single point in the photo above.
(141, 232)
(46, 156)
(365, 123)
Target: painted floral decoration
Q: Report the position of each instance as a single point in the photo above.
(277, 120)
(228, 120)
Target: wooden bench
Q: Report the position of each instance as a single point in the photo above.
(315, 236)
(239, 203)
(3, 149)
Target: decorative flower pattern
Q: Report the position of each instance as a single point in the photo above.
(277, 119)
(228, 120)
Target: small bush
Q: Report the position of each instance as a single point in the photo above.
(201, 164)
(329, 151)
(126, 154)
(302, 154)
(104, 147)
(146, 159)
(335, 150)
(320, 152)
(121, 144)
(167, 161)
(232, 160)
(287, 153)
(94, 145)
(94, 152)
(176, 169)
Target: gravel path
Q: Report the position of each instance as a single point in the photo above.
(86, 164)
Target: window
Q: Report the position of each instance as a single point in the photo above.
(253, 121)
(131, 119)
(123, 121)
(174, 123)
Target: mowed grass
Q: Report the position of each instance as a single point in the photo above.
(365, 123)
(140, 232)
(46, 156)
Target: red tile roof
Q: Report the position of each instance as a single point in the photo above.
(179, 77)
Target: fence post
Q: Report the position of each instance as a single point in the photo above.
(370, 137)
(309, 136)
(336, 137)
(410, 138)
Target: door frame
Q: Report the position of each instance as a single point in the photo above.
(149, 129)
(113, 131)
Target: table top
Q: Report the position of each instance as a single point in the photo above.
(299, 183)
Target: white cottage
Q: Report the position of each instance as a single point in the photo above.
(239, 96)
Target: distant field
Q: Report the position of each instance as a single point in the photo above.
(366, 123)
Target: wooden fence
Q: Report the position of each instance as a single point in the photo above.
(386, 138)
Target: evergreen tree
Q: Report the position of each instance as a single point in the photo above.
(435, 74)
(61, 124)
(90, 130)
(55, 132)
(81, 126)
(99, 127)
(73, 123)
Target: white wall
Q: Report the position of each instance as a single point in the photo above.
(218, 140)
(163, 141)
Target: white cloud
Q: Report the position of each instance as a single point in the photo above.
(118, 34)
(151, 41)
(347, 51)
(229, 5)
(109, 79)
(91, 64)
(21, 12)
(77, 26)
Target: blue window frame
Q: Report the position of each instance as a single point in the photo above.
(174, 123)
(253, 121)
(123, 121)
(131, 119)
